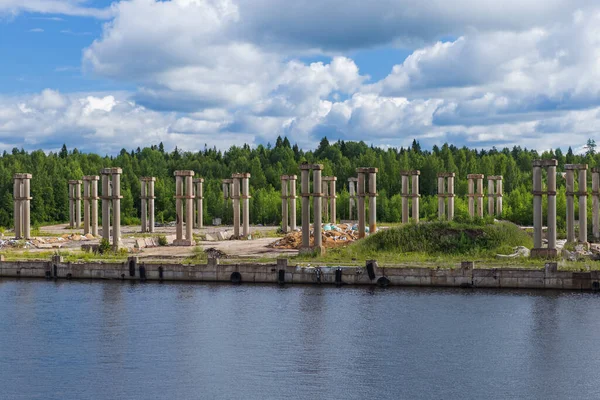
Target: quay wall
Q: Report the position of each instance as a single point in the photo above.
(547, 277)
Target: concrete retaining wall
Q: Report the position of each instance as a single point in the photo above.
(465, 276)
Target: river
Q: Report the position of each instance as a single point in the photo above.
(121, 340)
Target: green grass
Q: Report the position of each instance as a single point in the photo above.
(441, 244)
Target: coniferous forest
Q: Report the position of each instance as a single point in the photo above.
(51, 171)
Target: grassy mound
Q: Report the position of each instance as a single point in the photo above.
(434, 242)
(448, 238)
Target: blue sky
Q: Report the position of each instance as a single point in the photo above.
(188, 72)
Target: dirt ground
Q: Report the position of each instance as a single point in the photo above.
(254, 248)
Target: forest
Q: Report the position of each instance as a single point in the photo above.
(51, 172)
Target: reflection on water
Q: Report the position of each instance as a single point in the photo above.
(109, 340)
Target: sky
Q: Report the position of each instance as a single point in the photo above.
(103, 75)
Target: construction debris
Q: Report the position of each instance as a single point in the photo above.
(332, 236)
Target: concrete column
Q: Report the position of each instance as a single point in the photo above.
(105, 206)
(94, 204)
(236, 206)
(441, 198)
(596, 203)
(86, 205)
(537, 207)
(404, 199)
(144, 204)
(305, 205)
(583, 205)
(78, 204)
(325, 198)
(18, 215)
(570, 218)
(116, 207)
(361, 204)
(26, 206)
(151, 205)
(178, 208)
(373, 200)
(551, 207)
(499, 195)
(471, 191)
(480, 196)
(333, 200)
(415, 196)
(71, 205)
(317, 194)
(199, 182)
(292, 205)
(351, 197)
(246, 200)
(284, 203)
(451, 197)
(491, 196)
(189, 207)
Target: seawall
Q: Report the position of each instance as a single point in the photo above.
(280, 272)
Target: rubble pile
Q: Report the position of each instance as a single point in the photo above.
(45, 243)
(332, 236)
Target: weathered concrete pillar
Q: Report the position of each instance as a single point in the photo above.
(570, 218)
(329, 199)
(292, 196)
(445, 190)
(284, 203)
(199, 210)
(151, 198)
(74, 203)
(86, 205)
(106, 199)
(22, 205)
(404, 194)
(475, 194)
(413, 194)
(235, 197)
(494, 195)
(373, 199)
(147, 200)
(111, 198)
(361, 203)
(90, 204)
(227, 185)
(351, 197)
(333, 200)
(582, 195)
(305, 205)
(317, 194)
(184, 190)
(538, 192)
(596, 203)
(246, 201)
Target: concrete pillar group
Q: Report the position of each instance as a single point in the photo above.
(305, 170)
(413, 194)
(241, 192)
(596, 203)
(367, 187)
(495, 195)
(147, 199)
(111, 198)
(74, 203)
(184, 190)
(22, 205)
(538, 192)
(90, 204)
(288, 202)
(352, 197)
(198, 205)
(446, 191)
(475, 194)
(329, 199)
(581, 169)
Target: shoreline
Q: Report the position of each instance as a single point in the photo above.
(280, 272)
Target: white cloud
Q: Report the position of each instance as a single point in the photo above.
(36, 30)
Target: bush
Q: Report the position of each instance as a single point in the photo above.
(104, 246)
(162, 240)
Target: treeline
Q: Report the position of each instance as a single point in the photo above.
(51, 172)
